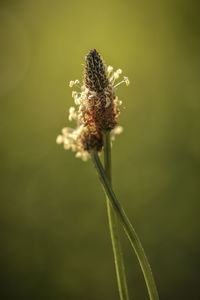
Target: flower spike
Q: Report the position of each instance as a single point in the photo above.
(97, 108)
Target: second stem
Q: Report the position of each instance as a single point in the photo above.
(113, 225)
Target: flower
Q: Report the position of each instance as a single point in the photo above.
(97, 108)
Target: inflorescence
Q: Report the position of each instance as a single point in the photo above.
(97, 108)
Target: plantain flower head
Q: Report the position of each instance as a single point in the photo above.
(97, 107)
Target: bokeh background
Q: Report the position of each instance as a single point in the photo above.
(54, 241)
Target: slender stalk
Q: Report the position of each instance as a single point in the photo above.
(128, 228)
(113, 225)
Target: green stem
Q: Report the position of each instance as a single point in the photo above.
(128, 228)
(113, 225)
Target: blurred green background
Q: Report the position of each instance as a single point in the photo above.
(54, 241)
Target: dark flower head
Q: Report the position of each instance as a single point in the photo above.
(95, 74)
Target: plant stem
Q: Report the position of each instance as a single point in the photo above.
(128, 228)
(113, 225)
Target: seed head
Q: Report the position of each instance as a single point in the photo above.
(97, 108)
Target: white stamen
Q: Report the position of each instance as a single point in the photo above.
(67, 146)
(67, 130)
(109, 69)
(126, 80)
(71, 83)
(119, 102)
(59, 139)
(74, 94)
(119, 71)
(72, 113)
(119, 83)
(116, 75)
(118, 130)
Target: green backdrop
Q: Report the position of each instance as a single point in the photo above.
(54, 241)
